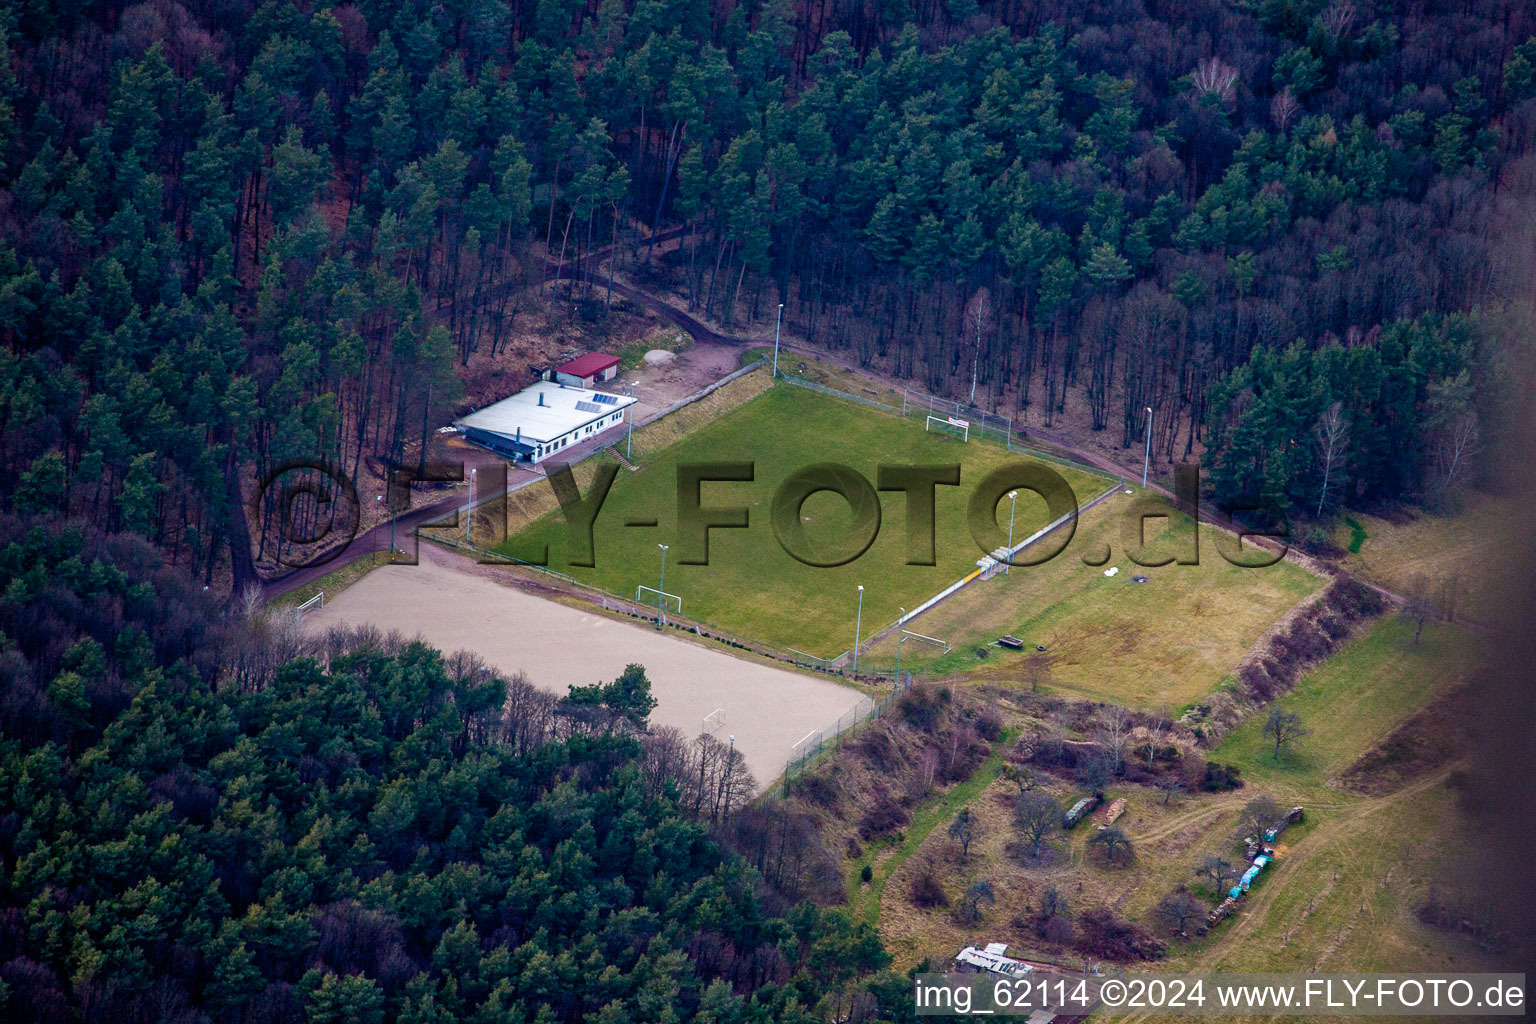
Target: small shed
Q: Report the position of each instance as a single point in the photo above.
(584, 371)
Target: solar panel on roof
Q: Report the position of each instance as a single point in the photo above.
(588, 407)
(605, 399)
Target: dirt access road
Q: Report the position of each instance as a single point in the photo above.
(451, 603)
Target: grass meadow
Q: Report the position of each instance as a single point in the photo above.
(1342, 895)
(1165, 643)
(1353, 699)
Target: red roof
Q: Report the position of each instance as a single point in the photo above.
(588, 365)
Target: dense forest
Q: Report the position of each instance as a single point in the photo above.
(200, 822)
(234, 233)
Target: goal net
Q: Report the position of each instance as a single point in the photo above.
(932, 641)
(950, 425)
(714, 720)
(650, 597)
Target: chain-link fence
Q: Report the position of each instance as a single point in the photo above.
(804, 753)
(988, 426)
(801, 382)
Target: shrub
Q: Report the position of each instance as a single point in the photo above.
(966, 760)
(879, 749)
(989, 724)
(885, 817)
(820, 789)
(1257, 682)
(926, 891)
(923, 707)
(1103, 934)
(1219, 778)
(1058, 930)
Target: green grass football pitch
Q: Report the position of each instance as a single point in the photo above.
(751, 587)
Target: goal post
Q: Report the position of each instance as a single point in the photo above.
(933, 641)
(714, 721)
(950, 424)
(669, 602)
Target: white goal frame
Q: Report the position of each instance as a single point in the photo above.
(318, 601)
(714, 721)
(949, 421)
(660, 596)
(907, 634)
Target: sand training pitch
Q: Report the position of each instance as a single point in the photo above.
(766, 708)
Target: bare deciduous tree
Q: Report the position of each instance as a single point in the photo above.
(1332, 438)
(1218, 871)
(1259, 814)
(1115, 732)
(978, 896)
(1037, 815)
(1214, 76)
(978, 317)
(1037, 671)
(1450, 594)
(1417, 606)
(1021, 775)
(1284, 108)
(1454, 436)
(1150, 736)
(1338, 18)
(1170, 784)
(1175, 910)
(963, 830)
(1115, 845)
(1285, 726)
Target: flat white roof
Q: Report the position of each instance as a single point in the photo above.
(564, 409)
(992, 959)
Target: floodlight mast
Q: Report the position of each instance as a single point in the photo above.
(776, 324)
(901, 634)
(976, 354)
(629, 438)
(1146, 462)
(1013, 505)
(661, 586)
(389, 512)
(858, 624)
(730, 773)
